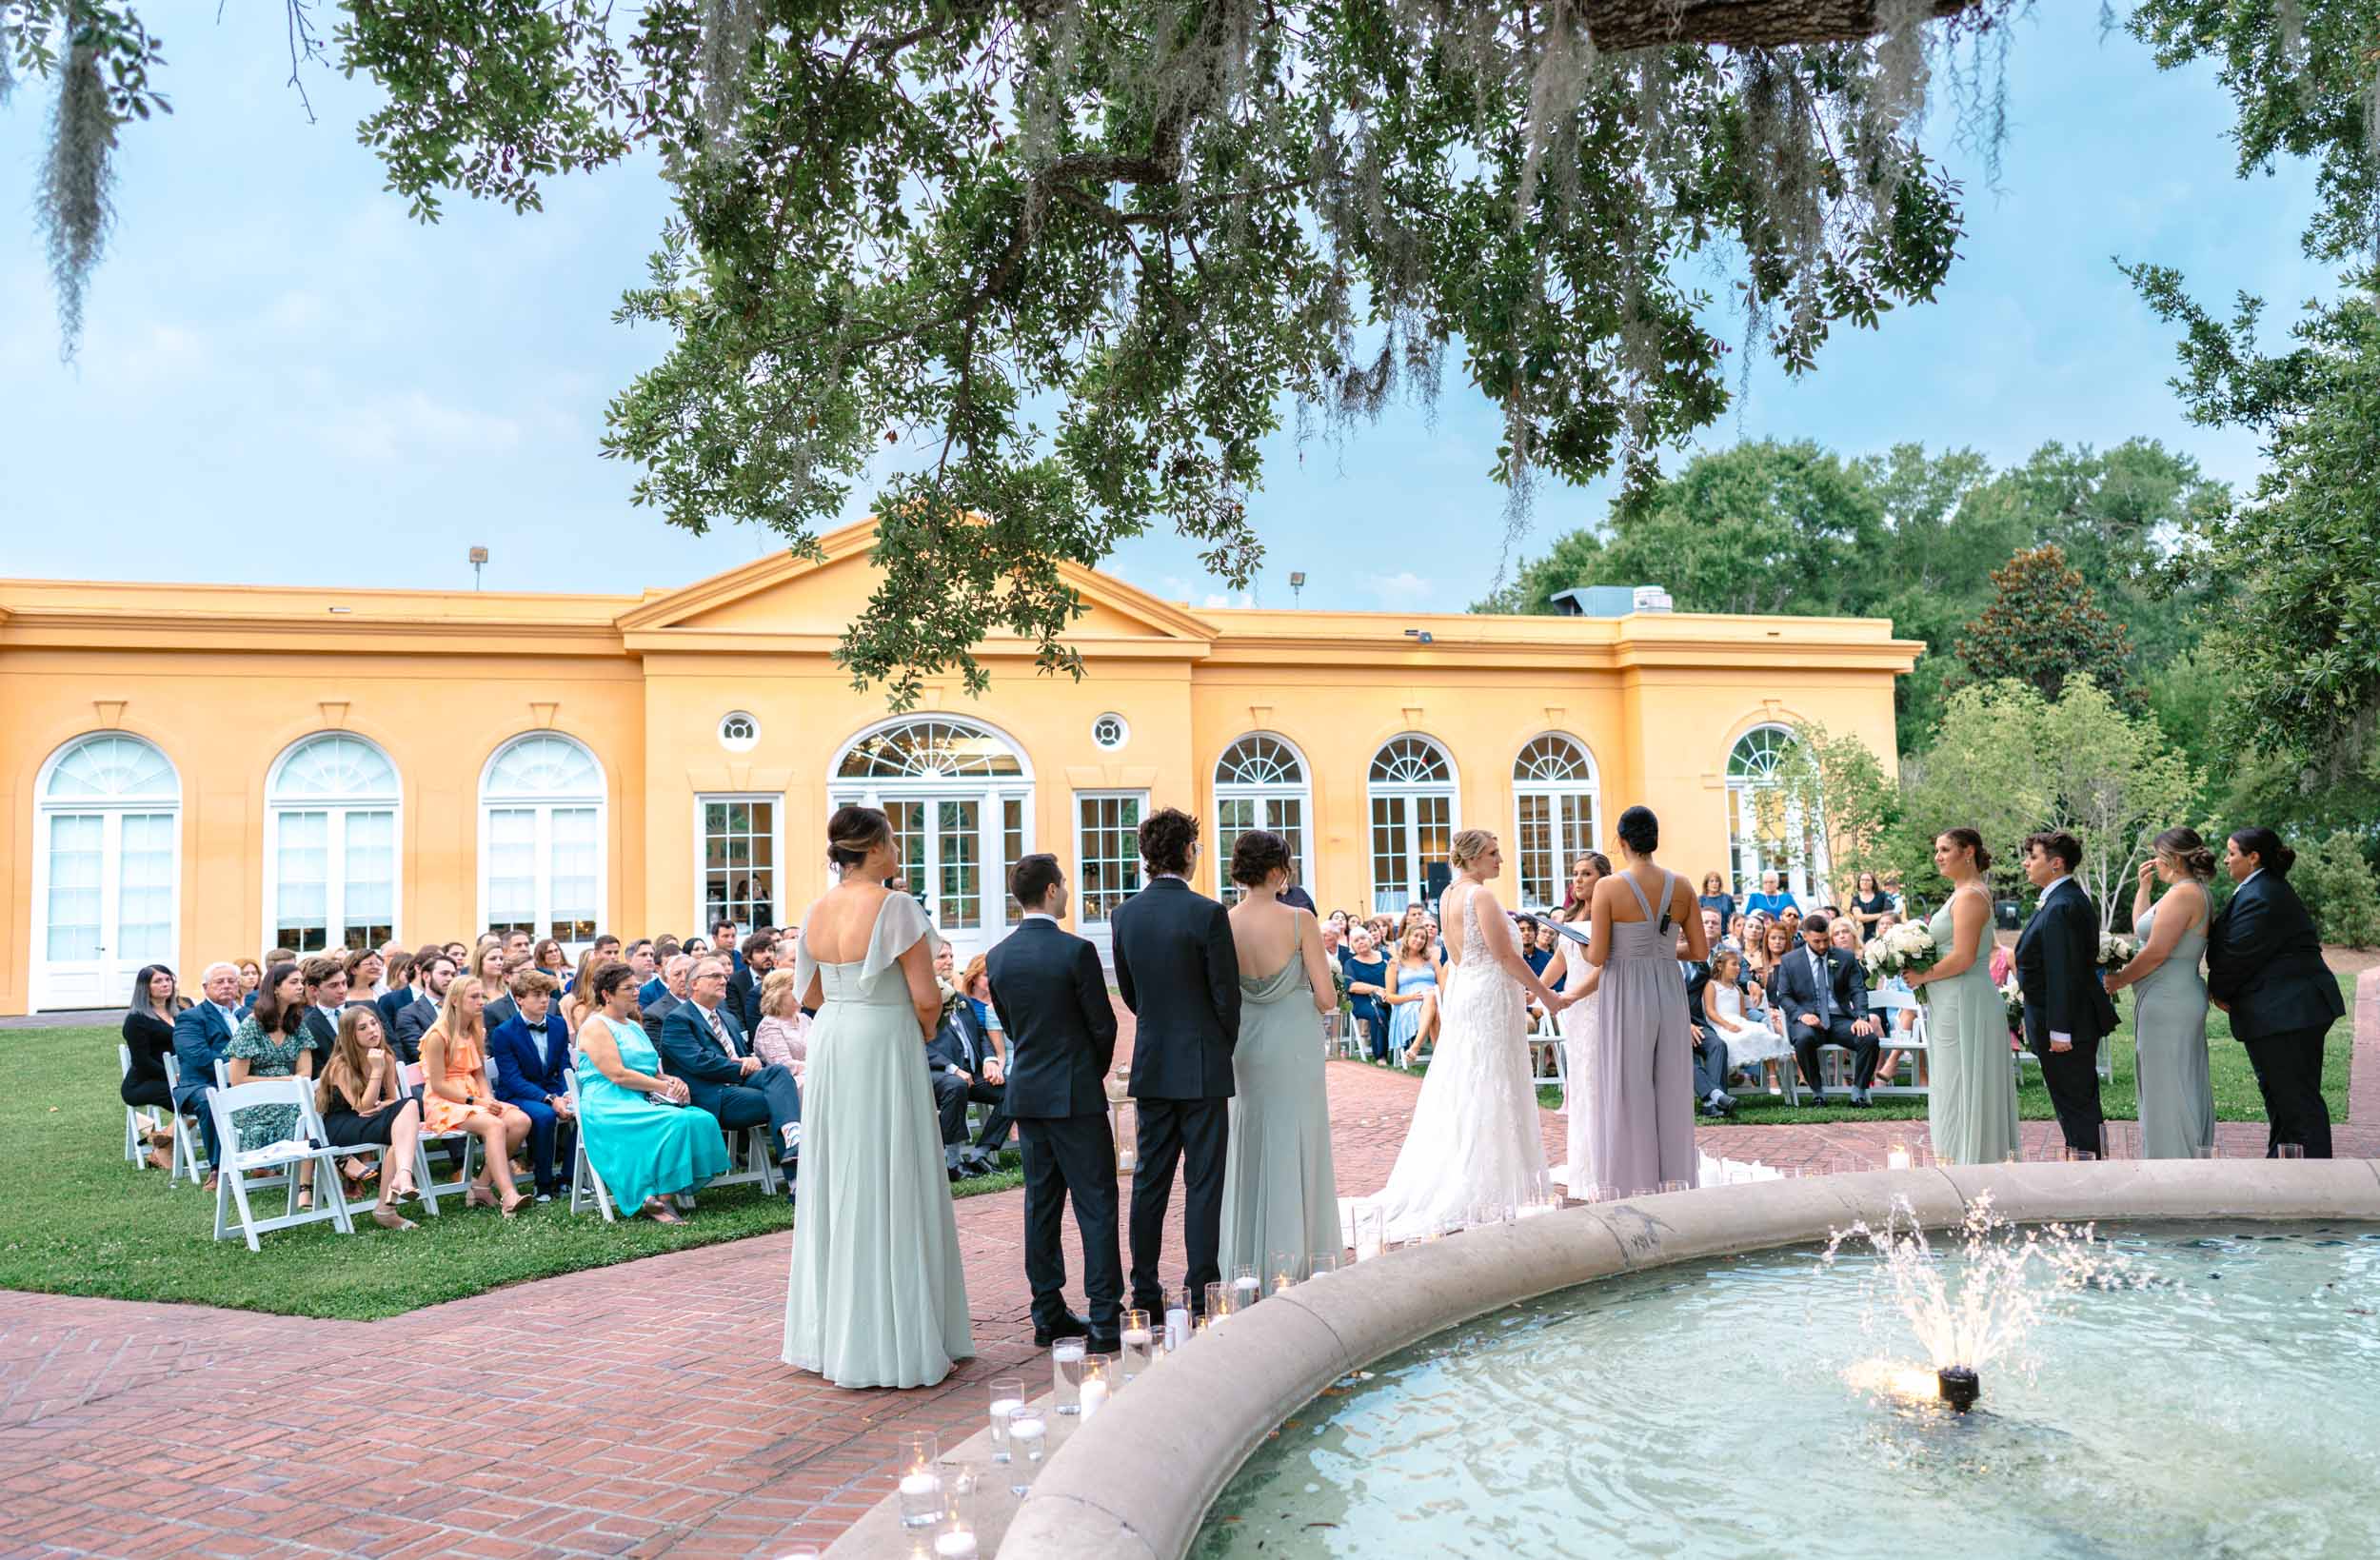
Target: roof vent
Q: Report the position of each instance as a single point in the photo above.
(1611, 600)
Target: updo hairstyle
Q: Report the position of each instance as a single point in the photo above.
(853, 832)
(1256, 855)
(2184, 845)
(1974, 841)
(2265, 847)
(1640, 831)
(1470, 845)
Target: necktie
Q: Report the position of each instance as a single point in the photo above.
(1826, 997)
(718, 1027)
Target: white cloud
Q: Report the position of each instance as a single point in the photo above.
(1217, 598)
(1408, 591)
(413, 425)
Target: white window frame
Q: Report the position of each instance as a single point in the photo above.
(1097, 930)
(1804, 869)
(543, 805)
(113, 811)
(1263, 794)
(334, 903)
(993, 792)
(1410, 792)
(776, 800)
(1555, 792)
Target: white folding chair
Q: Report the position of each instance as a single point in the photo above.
(233, 1186)
(186, 1132)
(133, 1120)
(1887, 1006)
(410, 1074)
(760, 1166)
(587, 1187)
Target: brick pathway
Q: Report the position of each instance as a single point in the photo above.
(634, 1410)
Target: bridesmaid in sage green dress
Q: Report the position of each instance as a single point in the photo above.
(2169, 1013)
(1281, 1195)
(874, 1298)
(1971, 1102)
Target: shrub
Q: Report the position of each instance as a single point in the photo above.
(2338, 888)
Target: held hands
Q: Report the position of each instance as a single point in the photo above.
(994, 1074)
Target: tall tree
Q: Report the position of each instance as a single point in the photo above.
(2043, 627)
(916, 223)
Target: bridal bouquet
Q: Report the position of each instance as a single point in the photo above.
(1906, 947)
(2115, 952)
(2012, 992)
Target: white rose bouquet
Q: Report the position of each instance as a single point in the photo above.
(2012, 992)
(2115, 952)
(1906, 947)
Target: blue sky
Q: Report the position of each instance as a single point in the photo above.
(283, 379)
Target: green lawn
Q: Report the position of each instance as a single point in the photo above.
(2235, 1096)
(76, 1220)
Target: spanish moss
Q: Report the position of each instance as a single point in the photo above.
(75, 199)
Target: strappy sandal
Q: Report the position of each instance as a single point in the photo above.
(480, 1196)
(518, 1201)
(389, 1218)
(660, 1213)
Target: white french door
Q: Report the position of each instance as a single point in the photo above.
(106, 891)
(955, 852)
(1281, 813)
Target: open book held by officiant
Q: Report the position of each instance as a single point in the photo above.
(1577, 934)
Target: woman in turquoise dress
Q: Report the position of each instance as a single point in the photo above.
(1413, 992)
(1281, 1195)
(2170, 1017)
(1971, 1102)
(642, 1134)
(876, 1296)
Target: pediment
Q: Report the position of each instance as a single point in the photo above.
(795, 596)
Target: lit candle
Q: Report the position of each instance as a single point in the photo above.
(921, 1485)
(1094, 1397)
(955, 1545)
(1141, 1337)
(1898, 1159)
(1283, 1280)
(1028, 1429)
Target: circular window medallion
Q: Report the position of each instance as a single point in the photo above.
(738, 732)
(1110, 731)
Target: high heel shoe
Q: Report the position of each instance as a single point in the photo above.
(389, 1218)
(480, 1196)
(516, 1202)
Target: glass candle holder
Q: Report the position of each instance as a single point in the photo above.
(1321, 1262)
(1007, 1397)
(1029, 1434)
(1178, 1310)
(1370, 1233)
(1065, 1373)
(1140, 1344)
(1098, 1385)
(1286, 1270)
(1219, 1302)
(1247, 1286)
(923, 1502)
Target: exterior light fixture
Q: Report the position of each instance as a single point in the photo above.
(1422, 634)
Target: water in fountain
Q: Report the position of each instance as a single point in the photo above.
(1979, 1311)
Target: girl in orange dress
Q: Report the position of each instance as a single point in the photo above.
(456, 1095)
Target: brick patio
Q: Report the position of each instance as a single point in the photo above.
(634, 1410)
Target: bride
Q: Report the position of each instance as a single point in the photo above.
(1576, 978)
(1474, 1138)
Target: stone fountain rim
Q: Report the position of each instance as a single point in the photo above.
(1140, 1481)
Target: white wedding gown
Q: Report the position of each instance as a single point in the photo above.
(1475, 1134)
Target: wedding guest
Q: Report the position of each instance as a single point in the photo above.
(743, 987)
(488, 968)
(529, 1054)
(876, 1296)
(2169, 1013)
(782, 1039)
(674, 978)
(641, 962)
(1904, 1020)
(400, 994)
(1414, 983)
(1773, 897)
(147, 1031)
(550, 956)
(1750, 1042)
(1047, 988)
(433, 973)
(573, 1004)
(1739, 934)
(1715, 897)
(457, 1097)
(704, 1042)
(643, 1137)
(251, 975)
(1179, 973)
(1367, 982)
(1790, 917)
(1823, 993)
(1869, 904)
(202, 1037)
(325, 996)
(1970, 1098)
(963, 1068)
(270, 1043)
(2264, 968)
(2067, 1010)
(1770, 949)
(362, 1103)
(1643, 1115)
(1714, 929)
(726, 939)
(460, 953)
(1279, 1190)
(516, 942)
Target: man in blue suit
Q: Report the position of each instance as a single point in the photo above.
(202, 1037)
(702, 1043)
(529, 1054)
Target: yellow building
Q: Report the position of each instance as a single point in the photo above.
(189, 773)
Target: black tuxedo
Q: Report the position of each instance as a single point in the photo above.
(2057, 964)
(2264, 958)
(1837, 1001)
(715, 1079)
(1180, 975)
(1053, 1003)
(959, 1045)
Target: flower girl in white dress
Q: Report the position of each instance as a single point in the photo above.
(1749, 1041)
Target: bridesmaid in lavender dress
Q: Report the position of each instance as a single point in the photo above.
(1644, 1113)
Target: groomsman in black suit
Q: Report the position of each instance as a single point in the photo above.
(1052, 1000)
(2264, 968)
(2068, 1011)
(1180, 975)
(1823, 992)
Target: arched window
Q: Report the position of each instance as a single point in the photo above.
(1260, 783)
(541, 847)
(1765, 831)
(1413, 819)
(1554, 813)
(959, 796)
(107, 870)
(331, 813)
